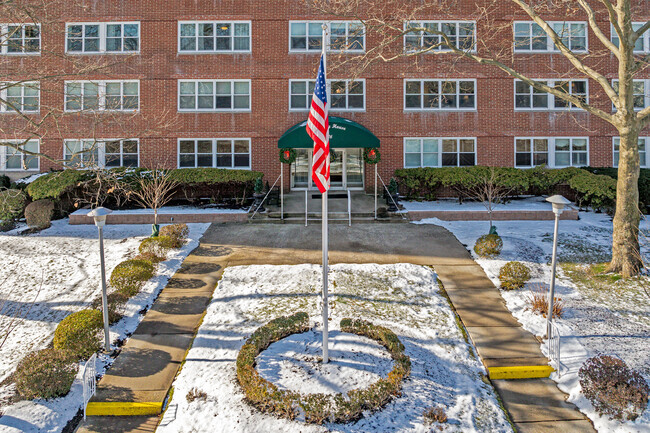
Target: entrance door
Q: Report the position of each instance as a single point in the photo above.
(346, 169)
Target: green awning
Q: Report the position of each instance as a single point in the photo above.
(343, 133)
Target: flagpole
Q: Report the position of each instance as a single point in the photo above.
(324, 236)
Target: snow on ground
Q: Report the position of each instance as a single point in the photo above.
(58, 270)
(528, 203)
(167, 210)
(403, 297)
(612, 321)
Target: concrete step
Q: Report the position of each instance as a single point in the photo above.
(355, 220)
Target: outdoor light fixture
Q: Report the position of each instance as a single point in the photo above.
(558, 203)
(99, 215)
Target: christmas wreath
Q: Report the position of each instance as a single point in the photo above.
(287, 156)
(371, 155)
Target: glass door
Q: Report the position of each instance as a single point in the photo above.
(354, 168)
(337, 178)
(346, 169)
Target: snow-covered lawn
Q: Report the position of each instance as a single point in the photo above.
(609, 317)
(402, 297)
(52, 274)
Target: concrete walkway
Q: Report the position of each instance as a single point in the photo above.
(154, 353)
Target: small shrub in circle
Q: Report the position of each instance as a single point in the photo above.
(538, 302)
(158, 246)
(488, 246)
(514, 275)
(196, 394)
(78, 334)
(434, 414)
(39, 214)
(613, 388)
(47, 373)
(129, 276)
(177, 232)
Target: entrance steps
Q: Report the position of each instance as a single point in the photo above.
(315, 218)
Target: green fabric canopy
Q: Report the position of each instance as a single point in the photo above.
(343, 133)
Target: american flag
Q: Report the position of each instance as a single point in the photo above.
(318, 128)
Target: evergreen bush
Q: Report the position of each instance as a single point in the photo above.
(129, 276)
(489, 245)
(47, 373)
(159, 246)
(78, 334)
(12, 204)
(177, 232)
(39, 214)
(514, 275)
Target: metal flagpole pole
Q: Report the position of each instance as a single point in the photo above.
(375, 191)
(282, 191)
(325, 237)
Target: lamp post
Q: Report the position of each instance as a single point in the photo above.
(558, 203)
(99, 215)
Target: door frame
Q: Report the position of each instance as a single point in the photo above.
(345, 187)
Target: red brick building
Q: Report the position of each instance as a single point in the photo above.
(217, 84)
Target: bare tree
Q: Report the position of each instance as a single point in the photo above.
(390, 21)
(153, 189)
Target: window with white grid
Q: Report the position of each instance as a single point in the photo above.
(97, 38)
(214, 37)
(551, 151)
(214, 95)
(17, 158)
(439, 152)
(461, 34)
(20, 39)
(307, 36)
(439, 95)
(531, 38)
(529, 98)
(87, 153)
(102, 95)
(232, 153)
(20, 97)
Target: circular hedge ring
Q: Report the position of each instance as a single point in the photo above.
(319, 408)
(371, 155)
(287, 156)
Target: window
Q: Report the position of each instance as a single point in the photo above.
(101, 153)
(462, 35)
(20, 38)
(440, 94)
(439, 152)
(20, 97)
(530, 37)
(102, 95)
(215, 152)
(643, 160)
(214, 95)
(214, 37)
(14, 159)
(528, 98)
(345, 95)
(343, 36)
(552, 151)
(642, 44)
(96, 38)
(641, 95)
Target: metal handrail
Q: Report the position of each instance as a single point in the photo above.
(554, 348)
(265, 197)
(88, 379)
(349, 209)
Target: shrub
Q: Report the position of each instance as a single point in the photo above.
(48, 373)
(159, 246)
(434, 414)
(538, 302)
(12, 204)
(5, 182)
(39, 214)
(195, 394)
(54, 185)
(594, 190)
(116, 301)
(514, 275)
(177, 232)
(150, 257)
(216, 183)
(77, 334)
(613, 388)
(488, 245)
(129, 276)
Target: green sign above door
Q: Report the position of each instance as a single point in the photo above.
(343, 133)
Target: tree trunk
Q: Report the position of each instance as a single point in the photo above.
(626, 258)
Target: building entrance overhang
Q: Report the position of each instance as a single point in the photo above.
(344, 133)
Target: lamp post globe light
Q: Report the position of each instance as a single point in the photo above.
(99, 215)
(559, 203)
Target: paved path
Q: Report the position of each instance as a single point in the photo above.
(154, 353)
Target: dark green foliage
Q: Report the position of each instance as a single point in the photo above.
(77, 334)
(613, 388)
(597, 191)
(488, 246)
(259, 186)
(12, 204)
(514, 275)
(48, 373)
(38, 214)
(319, 408)
(129, 276)
(5, 182)
(57, 183)
(644, 182)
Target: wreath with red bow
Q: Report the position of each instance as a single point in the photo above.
(287, 156)
(371, 155)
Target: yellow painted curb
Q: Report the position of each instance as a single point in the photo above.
(520, 372)
(122, 409)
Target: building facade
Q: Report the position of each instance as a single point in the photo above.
(217, 84)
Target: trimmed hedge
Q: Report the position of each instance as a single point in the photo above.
(77, 334)
(319, 408)
(39, 214)
(57, 183)
(47, 373)
(177, 232)
(129, 276)
(488, 245)
(157, 246)
(12, 204)
(514, 275)
(116, 301)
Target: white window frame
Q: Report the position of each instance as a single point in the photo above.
(646, 93)
(329, 36)
(550, 46)
(214, 151)
(101, 89)
(4, 94)
(440, 152)
(440, 81)
(4, 46)
(551, 150)
(6, 149)
(215, 50)
(100, 144)
(635, 26)
(215, 109)
(550, 97)
(422, 23)
(643, 162)
(102, 36)
(329, 94)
